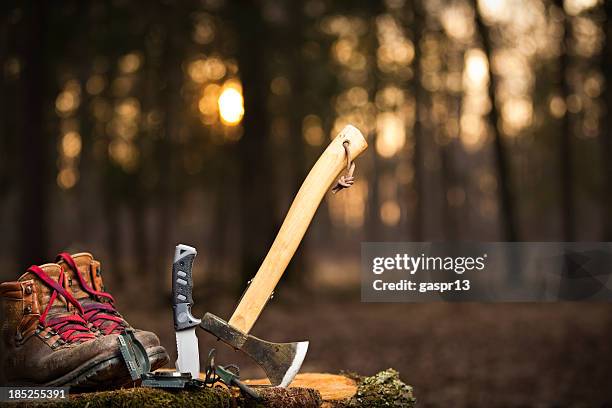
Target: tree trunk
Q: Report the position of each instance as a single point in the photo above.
(566, 178)
(6, 119)
(373, 220)
(297, 267)
(503, 172)
(34, 147)
(84, 191)
(170, 100)
(418, 215)
(606, 128)
(449, 181)
(256, 187)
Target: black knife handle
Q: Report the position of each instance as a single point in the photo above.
(182, 287)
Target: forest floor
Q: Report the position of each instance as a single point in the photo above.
(453, 354)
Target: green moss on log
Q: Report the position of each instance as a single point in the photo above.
(148, 397)
(384, 389)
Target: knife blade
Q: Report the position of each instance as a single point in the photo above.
(188, 356)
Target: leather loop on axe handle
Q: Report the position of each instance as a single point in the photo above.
(346, 180)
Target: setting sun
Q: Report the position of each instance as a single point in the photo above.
(231, 105)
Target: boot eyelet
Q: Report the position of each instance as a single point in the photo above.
(27, 309)
(28, 290)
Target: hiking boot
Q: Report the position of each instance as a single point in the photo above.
(45, 339)
(86, 285)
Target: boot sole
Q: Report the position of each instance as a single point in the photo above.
(98, 375)
(104, 374)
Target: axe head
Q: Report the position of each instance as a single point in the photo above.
(280, 361)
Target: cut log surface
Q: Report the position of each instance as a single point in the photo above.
(331, 387)
(315, 390)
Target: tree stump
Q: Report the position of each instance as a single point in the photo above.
(381, 390)
(307, 390)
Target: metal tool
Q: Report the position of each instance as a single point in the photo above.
(169, 379)
(228, 375)
(138, 365)
(282, 361)
(188, 356)
(134, 354)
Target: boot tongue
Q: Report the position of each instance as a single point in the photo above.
(97, 308)
(89, 270)
(44, 291)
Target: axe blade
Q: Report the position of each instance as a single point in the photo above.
(280, 361)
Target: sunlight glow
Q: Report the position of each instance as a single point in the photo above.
(557, 106)
(396, 51)
(69, 99)
(125, 154)
(494, 9)
(203, 29)
(231, 104)
(575, 7)
(130, 63)
(517, 114)
(391, 133)
(476, 68)
(390, 213)
(457, 21)
(312, 130)
(476, 104)
(71, 144)
(67, 178)
(473, 132)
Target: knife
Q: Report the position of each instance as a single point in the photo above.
(188, 356)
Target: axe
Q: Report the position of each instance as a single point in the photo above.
(282, 361)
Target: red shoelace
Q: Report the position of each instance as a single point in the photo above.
(70, 328)
(102, 316)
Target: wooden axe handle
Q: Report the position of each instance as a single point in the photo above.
(303, 208)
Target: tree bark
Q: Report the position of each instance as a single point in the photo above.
(417, 129)
(373, 221)
(34, 147)
(297, 267)
(503, 172)
(606, 128)
(256, 186)
(566, 178)
(170, 102)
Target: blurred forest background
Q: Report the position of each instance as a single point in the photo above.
(130, 126)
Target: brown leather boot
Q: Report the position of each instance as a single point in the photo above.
(87, 287)
(46, 340)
